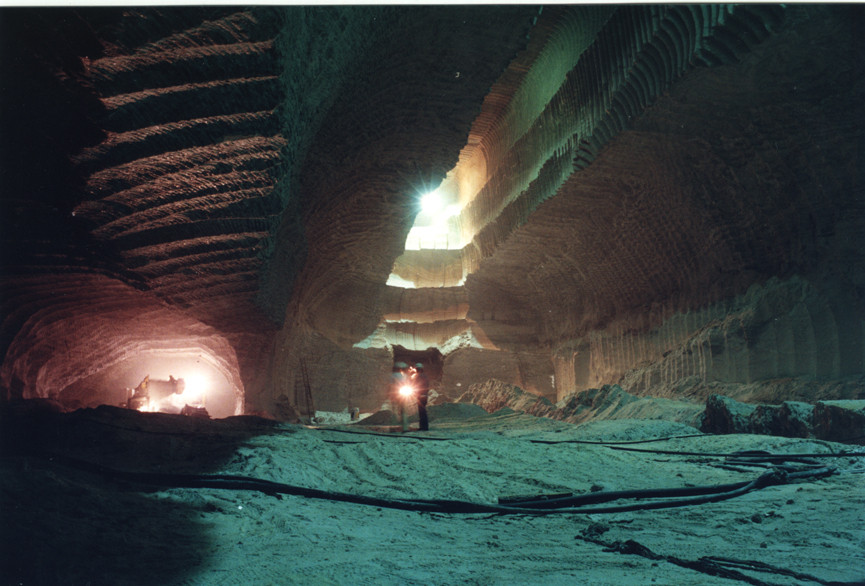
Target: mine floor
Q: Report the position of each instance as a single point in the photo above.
(73, 514)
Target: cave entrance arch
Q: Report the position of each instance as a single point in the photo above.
(431, 359)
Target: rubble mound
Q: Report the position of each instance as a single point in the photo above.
(595, 403)
(605, 403)
(840, 421)
(494, 394)
(612, 402)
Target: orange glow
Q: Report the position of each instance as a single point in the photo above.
(191, 391)
(199, 383)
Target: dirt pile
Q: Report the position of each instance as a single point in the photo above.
(590, 404)
(840, 421)
(606, 403)
(494, 394)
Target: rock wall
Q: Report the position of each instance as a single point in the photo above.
(308, 372)
(669, 197)
(705, 244)
(679, 225)
(780, 329)
(395, 127)
(137, 173)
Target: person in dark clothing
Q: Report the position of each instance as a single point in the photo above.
(421, 385)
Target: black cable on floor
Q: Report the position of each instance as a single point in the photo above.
(757, 566)
(765, 456)
(619, 442)
(527, 507)
(709, 494)
(715, 566)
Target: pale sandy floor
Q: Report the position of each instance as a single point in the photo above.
(66, 526)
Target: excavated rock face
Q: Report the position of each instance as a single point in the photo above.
(494, 394)
(669, 197)
(140, 198)
(727, 178)
(606, 403)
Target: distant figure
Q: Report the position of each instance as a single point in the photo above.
(421, 385)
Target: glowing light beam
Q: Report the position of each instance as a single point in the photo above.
(431, 203)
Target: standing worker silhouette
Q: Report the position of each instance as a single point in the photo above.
(421, 385)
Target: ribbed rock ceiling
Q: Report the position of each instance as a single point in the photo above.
(232, 188)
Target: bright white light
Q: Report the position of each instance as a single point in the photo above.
(437, 227)
(431, 202)
(406, 391)
(194, 389)
(195, 385)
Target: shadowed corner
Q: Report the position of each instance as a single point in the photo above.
(65, 521)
